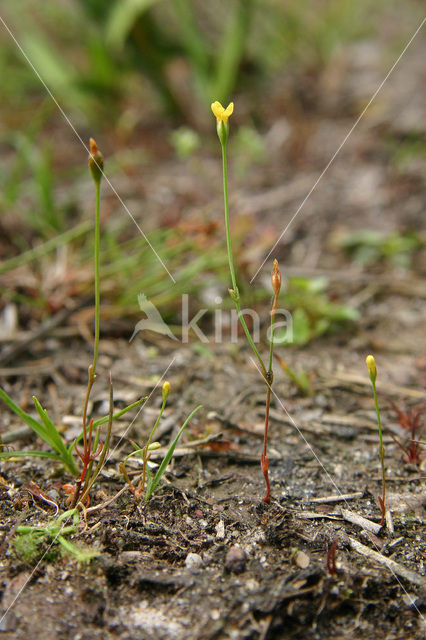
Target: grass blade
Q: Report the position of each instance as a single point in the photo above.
(168, 456)
(36, 426)
(6, 455)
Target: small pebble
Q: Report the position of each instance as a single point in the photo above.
(411, 600)
(220, 530)
(235, 560)
(302, 559)
(193, 561)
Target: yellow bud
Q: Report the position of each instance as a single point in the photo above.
(371, 366)
(96, 162)
(166, 390)
(154, 446)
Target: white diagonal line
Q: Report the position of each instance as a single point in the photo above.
(332, 481)
(110, 452)
(330, 162)
(85, 146)
(32, 573)
(301, 435)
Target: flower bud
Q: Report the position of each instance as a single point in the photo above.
(96, 162)
(166, 390)
(276, 278)
(371, 366)
(154, 446)
(222, 129)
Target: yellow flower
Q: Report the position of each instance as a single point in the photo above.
(222, 114)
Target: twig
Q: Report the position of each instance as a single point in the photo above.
(338, 498)
(389, 523)
(236, 456)
(102, 505)
(393, 566)
(360, 521)
(313, 515)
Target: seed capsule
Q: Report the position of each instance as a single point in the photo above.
(276, 278)
(96, 162)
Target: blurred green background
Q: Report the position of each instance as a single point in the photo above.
(139, 76)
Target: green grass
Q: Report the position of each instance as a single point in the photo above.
(130, 47)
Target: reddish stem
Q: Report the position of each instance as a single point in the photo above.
(264, 462)
(331, 558)
(86, 457)
(382, 507)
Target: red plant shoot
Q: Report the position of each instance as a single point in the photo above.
(331, 558)
(87, 457)
(411, 421)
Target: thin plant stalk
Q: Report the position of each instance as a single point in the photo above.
(160, 472)
(91, 476)
(97, 276)
(145, 450)
(371, 365)
(222, 116)
(234, 292)
(269, 378)
(145, 454)
(96, 166)
(381, 453)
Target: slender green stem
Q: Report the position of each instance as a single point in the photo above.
(97, 277)
(236, 295)
(379, 422)
(226, 205)
(381, 450)
(120, 413)
(145, 454)
(163, 406)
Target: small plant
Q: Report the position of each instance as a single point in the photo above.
(368, 246)
(314, 313)
(222, 115)
(45, 428)
(372, 370)
(148, 484)
(412, 422)
(30, 542)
